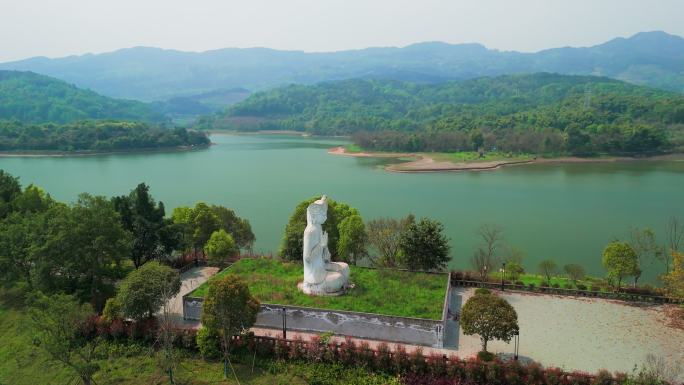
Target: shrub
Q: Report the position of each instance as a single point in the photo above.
(567, 286)
(401, 360)
(554, 376)
(555, 285)
(457, 275)
(144, 330)
(482, 290)
(418, 362)
(315, 349)
(532, 285)
(208, 344)
(603, 377)
(520, 283)
(485, 356)
(476, 371)
(297, 349)
(365, 356)
(383, 360)
(436, 364)
(595, 288)
(112, 310)
(535, 373)
(282, 350)
(117, 329)
(581, 286)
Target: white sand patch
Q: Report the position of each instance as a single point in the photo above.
(586, 334)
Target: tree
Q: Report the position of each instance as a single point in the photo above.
(220, 247)
(485, 258)
(674, 280)
(19, 234)
(575, 272)
(384, 235)
(83, 249)
(144, 219)
(228, 309)
(146, 289)
(620, 260)
(644, 244)
(237, 227)
(32, 200)
(424, 246)
(291, 247)
(59, 329)
(514, 270)
(204, 222)
(548, 269)
(9, 190)
(490, 317)
(351, 247)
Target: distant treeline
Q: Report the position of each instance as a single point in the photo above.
(94, 136)
(540, 113)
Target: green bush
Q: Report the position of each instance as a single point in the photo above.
(485, 356)
(208, 344)
(482, 290)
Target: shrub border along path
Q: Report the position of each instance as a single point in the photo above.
(377, 291)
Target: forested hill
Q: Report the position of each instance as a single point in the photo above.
(540, 113)
(32, 98)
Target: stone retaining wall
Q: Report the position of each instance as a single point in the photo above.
(417, 331)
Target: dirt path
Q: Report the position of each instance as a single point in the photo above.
(190, 280)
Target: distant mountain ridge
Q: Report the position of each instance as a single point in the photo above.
(152, 74)
(32, 98)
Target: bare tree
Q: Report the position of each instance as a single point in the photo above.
(644, 244)
(384, 236)
(675, 235)
(485, 257)
(168, 357)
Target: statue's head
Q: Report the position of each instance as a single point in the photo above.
(317, 212)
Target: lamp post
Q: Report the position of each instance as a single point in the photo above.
(284, 324)
(485, 275)
(517, 344)
(503, 274)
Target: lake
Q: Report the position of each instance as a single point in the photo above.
(566, 212)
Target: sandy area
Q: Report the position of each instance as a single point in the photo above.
(424, 163)
(588, 334)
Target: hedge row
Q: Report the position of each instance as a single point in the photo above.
(413, 367)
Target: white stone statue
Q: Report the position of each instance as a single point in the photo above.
(321, 276)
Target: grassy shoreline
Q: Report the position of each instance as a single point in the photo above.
(471, 161)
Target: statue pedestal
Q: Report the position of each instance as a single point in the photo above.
(319, 289)
(335, 282)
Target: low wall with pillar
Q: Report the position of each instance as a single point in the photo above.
(416, 331)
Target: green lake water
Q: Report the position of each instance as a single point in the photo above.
(567, 212)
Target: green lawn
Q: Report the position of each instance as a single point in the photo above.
(472, 156)
(22, 363)
(390, 292)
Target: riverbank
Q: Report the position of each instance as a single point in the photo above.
(440, 162)
(57, 154)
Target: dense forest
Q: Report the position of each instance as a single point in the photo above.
(33, 98)
(94, 136)
(540, 113)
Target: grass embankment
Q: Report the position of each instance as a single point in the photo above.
(127, 363)
(474, 157)
(390, 292)
(587, 283)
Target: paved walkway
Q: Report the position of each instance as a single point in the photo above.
(190, 280)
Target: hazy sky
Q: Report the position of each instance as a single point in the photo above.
(64, 27)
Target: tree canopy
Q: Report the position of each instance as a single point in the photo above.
(490, 317)
(92, 135)
(620, 260)
(291, 247)
(144, 290)
(424, 246)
